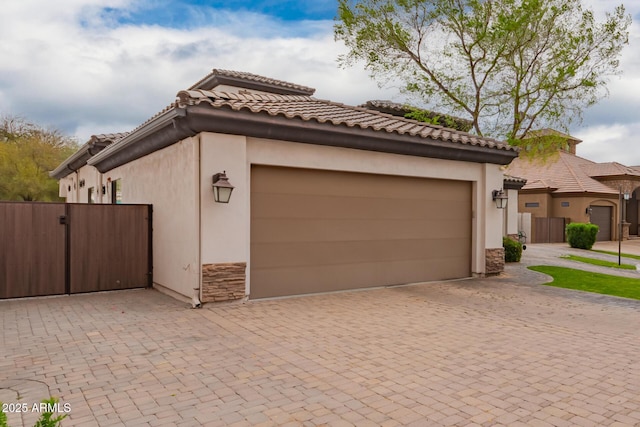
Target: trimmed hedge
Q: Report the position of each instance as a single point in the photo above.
(512, 250)
(581, 235)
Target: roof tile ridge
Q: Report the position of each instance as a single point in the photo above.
(453, 134)
(259, 78)
(570, 168)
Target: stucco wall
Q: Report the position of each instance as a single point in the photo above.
(543, 200)
(92, 179)
(225, 228)
(70, 186)
(511, 213)
(168, 179)
(177, 181)
(577, 209)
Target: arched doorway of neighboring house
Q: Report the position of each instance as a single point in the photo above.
(633, 212)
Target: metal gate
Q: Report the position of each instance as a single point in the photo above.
(57, 248)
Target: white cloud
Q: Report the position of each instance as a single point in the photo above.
(610, 143)
(76, 72)
(73, 67)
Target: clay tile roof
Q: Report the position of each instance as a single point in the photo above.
(566, 173)
(250, 81)
(108, 138)
(307, 108)
(610, 169)
(397, 109)
(509, 178)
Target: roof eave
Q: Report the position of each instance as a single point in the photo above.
(166, 130)
(125, 147)
(513, 185)
(78, 159)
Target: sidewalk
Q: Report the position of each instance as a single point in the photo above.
(551, 254)
(628, 246)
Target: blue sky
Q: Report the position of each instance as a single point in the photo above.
(190, 14)
(97, 66)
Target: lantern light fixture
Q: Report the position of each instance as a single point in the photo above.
(222, 189)
(501, 198)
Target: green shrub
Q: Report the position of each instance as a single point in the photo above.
(512, 250)
(581, 236)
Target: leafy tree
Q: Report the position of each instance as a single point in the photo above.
(427, 116)
(27, 153)
(510, 66)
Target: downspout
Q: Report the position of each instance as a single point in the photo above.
(76, 188)
(196, 301)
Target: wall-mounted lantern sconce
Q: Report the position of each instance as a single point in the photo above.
(626, 196)
(222, 188)
(501, 198)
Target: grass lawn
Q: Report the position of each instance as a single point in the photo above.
(598, 262)
(591, 282)
(616, 254)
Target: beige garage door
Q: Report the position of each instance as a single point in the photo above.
(601, 216)
(317, 231)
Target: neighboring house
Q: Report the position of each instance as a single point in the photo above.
(578, 190)
(327, 196)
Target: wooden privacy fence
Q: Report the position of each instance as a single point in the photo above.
(549, 230)
(58, 248)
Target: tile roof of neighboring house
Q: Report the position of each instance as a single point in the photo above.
(250, 81)
(611, 169)
(307, 108)
(541, 184)
(566, 173)
(551, 132)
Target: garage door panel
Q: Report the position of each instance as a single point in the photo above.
(601, 216)
(321, 182)
(275, 230)
(313, 206)
(316, 231)
(303, 280)
(331, 253)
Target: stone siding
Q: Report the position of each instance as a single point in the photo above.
(223, 282)
(494, 261)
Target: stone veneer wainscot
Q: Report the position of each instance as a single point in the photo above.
(494, 261)
(223, 282)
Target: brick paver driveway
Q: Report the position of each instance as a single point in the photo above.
(474, 352)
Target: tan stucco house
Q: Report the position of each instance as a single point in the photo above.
(567, 186)
(327, 196)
